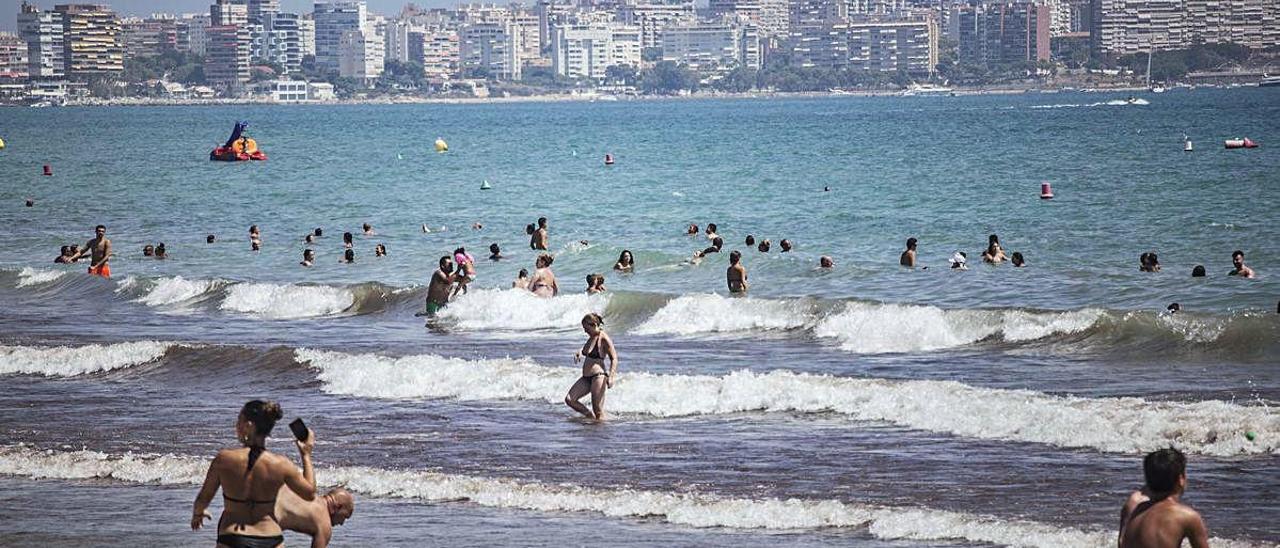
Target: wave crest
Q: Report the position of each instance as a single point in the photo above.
(69, 361)
(37, 276)
(287, 301)
(881, 328)
(516, 310)
(711, 313)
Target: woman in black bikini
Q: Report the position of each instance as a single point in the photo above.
(595, 378)
(250, 477)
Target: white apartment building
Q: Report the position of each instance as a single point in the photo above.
(333, 19)
(587, 51)
(492, 47)
(653, 17)
(46, 46)
(307, 35)
(360, 55)
(894, 46)
(438, 52)
(281, 41)
(703, 47)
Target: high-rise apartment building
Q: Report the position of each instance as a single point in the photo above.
(1130, 26)
(1252, 23)
(1004, 32)
(307, 35)
(258, 10)
(361, 54)
(91, 36)
(493, 48)
(148, 37)
(333, 19)
(227, 56)
(190, 35)
(45, 37)
(281, 41)
(909, 46)
(653, 17)
(711, 47)
(228, 12)
(14, 64)
(438, 52)
(587, 51)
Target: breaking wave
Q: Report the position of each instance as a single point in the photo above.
(690, 509)
(710, 313)
(518, 310)
(1116, 425)
(36, 276)
(69, 361)
(878, 328)
(286, 301)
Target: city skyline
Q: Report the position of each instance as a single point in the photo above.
(142, 8)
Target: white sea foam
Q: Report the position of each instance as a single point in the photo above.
(877, 328)
(35, 276)
(1118, 425)
(69, 361)
(710, 313)
(691, 509)
(277, 302)
(517, 310)
(177, 290)
(1111, 103)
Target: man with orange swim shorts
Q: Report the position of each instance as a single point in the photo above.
(99, 249)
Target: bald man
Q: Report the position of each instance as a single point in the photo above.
(317, 517)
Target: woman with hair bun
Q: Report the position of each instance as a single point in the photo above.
(595, 379)
(250, 477)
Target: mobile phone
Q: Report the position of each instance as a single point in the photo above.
(299, 429)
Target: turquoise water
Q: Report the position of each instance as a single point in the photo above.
(866, 405)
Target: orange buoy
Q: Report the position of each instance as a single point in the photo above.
(608, 159)
(48, 170)
(1046, 192)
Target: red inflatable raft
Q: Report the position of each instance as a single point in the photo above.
(239, 148)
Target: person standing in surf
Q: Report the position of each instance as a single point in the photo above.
(543, 283)
(736, 275)
(1153, 517)
(595, 378)
(99, 249)
(908, 257)
(439, 287)
(250, 478)
(538, 240)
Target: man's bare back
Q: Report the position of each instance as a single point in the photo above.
(1163, 523)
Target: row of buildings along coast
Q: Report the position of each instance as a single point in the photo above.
(59, 47)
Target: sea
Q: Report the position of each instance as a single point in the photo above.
(866, 405)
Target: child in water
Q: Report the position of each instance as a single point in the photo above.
(466, 269)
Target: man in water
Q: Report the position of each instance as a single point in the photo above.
(99, 249)
(736, 275)
(826, 262)
(441, 283)
(1237, 260)
(317, 517)
(1153, 517)
(908, 257)
(308, 257)
(495, 253)
(539, 239)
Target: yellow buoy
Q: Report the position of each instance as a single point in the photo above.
(1, 144)
(441, 146)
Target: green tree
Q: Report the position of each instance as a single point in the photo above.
(667, 78)
(625, 75)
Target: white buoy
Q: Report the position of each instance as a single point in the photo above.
(399, 156)
(485, 185)
(441, 146)
(1186, 146)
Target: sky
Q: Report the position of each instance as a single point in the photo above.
(9, 8)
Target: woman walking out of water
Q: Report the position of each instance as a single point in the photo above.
(543, 282)
(250, 477)
(595, 378)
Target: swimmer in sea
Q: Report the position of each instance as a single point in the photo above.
(308, 257)
(826, 262)
(595, 284)
(348, 256)
(764, 246)
(160, 252)
(1239, 268)
(751, 240)
(1198, 271)
(908, 257)
(380, 250)
(543, 282)
(1153, 517)
(210, 239)
(147, 250)
(99, 249)
(539, 239)
(626, 263)
(318, 232)
(959, 260)
(994, 253)
(368, 229)
(692, 230)
(254, 235)
(1017, 260)
(438, 289)
(348, 241)
(716, 245)
(785, 245)
(736, 274)
(1148, 262)
(309, 239)
(495, 253)
(1173, 308)
(64, 255)
(711, 231)
(522, 280)
(595, 378)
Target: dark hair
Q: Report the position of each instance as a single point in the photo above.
(546, 259)
(595, 319)
(460, 250)
(445, 259)
(626, 253)
(208, 239)
(1237, 253)
(524, 273)
(160, 248)
(751, 240)
(1163, 468)
(711, 227)
(253, 228)
(346, 237)
(993, 239)
(318, 232)
(718, 243)
(542, 221)
(263, 416)
(493, 248)
(307, 252)
(911, 243)
(1198, 271)
(102, 227)
(786, 244)
(350, 255)
(255, 245)
(67, 248)
(1017, 259)
(1153, 258)
(735, 256)
(528, 229)
(366, 226)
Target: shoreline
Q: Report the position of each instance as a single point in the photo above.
(574, 97)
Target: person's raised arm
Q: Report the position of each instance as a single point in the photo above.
(211, 483)
(304, 483)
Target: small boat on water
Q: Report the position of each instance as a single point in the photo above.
(923, 90)
(1268, 81)
(1243, 142)
(239, 147)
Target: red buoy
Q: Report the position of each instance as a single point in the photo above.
(1046, 192)
(608, 159)
(48, 170)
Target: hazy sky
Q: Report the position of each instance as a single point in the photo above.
(9, 8)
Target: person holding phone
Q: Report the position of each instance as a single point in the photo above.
(250, 478)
